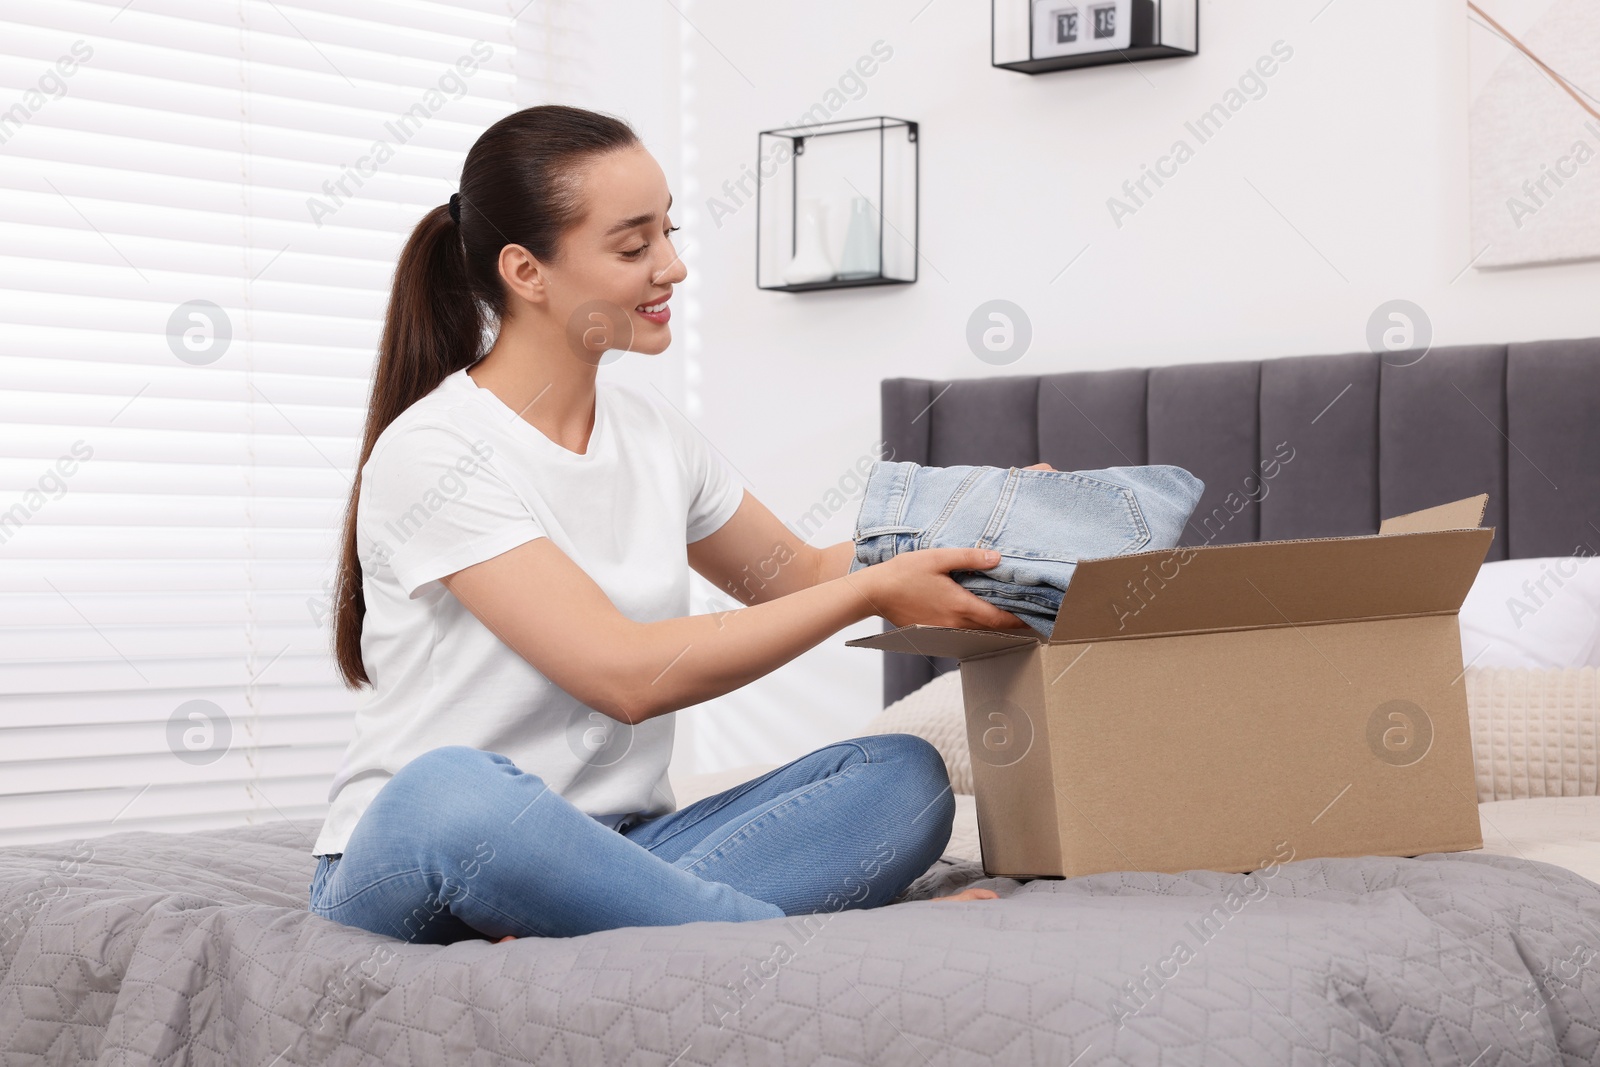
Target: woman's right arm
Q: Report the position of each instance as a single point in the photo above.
(544, 607)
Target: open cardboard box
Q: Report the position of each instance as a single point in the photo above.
(1230, 706)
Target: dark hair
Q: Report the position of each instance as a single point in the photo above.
(521, 183)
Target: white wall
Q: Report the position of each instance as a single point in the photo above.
(1342, 187)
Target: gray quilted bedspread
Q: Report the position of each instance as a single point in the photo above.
(198, 949)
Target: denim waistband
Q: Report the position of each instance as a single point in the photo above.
(906, 505)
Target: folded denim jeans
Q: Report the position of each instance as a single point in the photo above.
(1041, 522)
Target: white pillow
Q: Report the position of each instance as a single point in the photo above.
(1535, 613)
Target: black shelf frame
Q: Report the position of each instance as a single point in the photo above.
(798, 136)
(1135, 54)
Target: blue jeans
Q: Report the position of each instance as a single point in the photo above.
(461, 843)
(1041, 522)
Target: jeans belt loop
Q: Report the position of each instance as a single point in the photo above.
(950, 505)
(1002, 506)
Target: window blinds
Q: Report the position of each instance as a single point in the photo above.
(201, 203)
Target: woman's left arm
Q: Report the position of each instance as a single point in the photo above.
(755, 558)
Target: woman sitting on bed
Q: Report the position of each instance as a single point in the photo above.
(514, 587)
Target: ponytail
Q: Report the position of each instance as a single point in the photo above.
(522, 173)
(433, 328)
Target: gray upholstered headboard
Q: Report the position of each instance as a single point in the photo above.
(1371, 438)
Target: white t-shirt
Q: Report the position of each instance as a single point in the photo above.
(458, 478)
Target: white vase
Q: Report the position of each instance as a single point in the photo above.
(860, 259)
(811, 262)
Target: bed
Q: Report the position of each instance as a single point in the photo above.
(198, 948)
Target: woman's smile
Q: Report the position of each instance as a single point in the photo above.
(657, 312)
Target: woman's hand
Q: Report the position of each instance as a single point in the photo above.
(916, 587)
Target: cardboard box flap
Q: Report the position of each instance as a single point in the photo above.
(1270, 583)
(1464, 514)
(946, 640)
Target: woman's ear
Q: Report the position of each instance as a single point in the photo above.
(522, 274)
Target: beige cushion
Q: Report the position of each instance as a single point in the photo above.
(1535, 733)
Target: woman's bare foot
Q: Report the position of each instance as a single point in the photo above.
(508, 937)
(972, 894)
